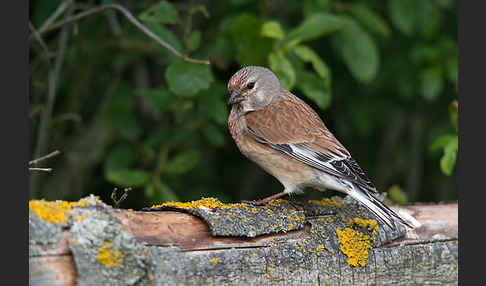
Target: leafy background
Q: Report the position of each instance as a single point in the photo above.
(128, 113)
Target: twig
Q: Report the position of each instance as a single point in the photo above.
(121, 199)
(60, 9)
(52, 154)
(130, 18)
(45, 123)
(41, 41)
(41, 169)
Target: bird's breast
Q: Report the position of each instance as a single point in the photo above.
(235, 127)
(239, 131)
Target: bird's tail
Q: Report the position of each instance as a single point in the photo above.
(379, 209)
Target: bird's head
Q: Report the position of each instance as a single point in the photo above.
(253, 88)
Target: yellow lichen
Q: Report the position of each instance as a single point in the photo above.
(214, 261)
(108, 256)
(326, 202)
(204, 202)
(54, 212)
(356, 244)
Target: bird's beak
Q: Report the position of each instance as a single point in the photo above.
(234, 98)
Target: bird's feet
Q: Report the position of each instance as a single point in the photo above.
(256, 202)
(266, 200)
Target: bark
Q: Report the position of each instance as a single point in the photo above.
(331, 242)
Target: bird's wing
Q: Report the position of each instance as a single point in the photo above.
(292, 127)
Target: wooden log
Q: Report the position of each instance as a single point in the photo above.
(98, 245)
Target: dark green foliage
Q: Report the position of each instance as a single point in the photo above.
(382, 75)
(188, 79)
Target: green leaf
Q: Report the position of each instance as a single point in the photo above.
(251, 47)
(193, 40)
(187, 79)
(212, 104)
(162, 12)
(316, 6)
(201, 9)
(402, 14)
(368, 18)
(213, 135)
(442, 141)
(128, 177)
(316, 25)
(283, 68)
(358, 51)
(414, 16)
(451, 67)
(397, 195)
(150, 191)
(308, 55)
(314, 88)
(428, 18)
(156, 139)
(448, 160)
(431, 82)
(161, 100)
(423, 53)
(119, 157)
(272, 29)
(453, 113)
(182, 163)
(160, 192)
(120, 114)
(444, 3)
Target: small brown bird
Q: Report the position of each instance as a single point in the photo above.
(286, 137)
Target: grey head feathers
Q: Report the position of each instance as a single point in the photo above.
(252, 88)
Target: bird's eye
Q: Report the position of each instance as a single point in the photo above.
(250, 85)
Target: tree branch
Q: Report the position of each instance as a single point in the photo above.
(130, 18)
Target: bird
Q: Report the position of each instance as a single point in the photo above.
(286, 137)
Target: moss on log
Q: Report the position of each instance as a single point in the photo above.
(206, 242)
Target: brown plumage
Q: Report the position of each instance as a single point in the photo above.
(286, 137)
